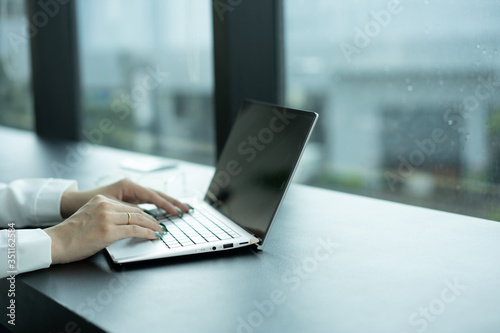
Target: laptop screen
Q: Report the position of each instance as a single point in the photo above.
(257, 164)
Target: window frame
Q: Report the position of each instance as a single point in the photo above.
(55, 69)
(248, 63)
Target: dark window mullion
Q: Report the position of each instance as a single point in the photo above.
(55, 68)
(248, 57)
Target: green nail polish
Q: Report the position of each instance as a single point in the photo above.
(159, 235)
(164, 228)
(190, 207)
(181, 214)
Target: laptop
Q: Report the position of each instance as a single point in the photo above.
(252, 175)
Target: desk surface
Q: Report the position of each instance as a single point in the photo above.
(334, 262)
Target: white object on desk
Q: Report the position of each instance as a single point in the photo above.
(145, 164)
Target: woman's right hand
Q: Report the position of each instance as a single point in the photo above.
(96, 225)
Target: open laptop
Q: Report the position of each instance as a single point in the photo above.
(252, 175)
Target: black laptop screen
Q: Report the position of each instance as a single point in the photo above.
(257, 164)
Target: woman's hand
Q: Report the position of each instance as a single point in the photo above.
(125, 191)
(101, 222)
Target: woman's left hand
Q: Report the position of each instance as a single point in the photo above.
(125, 191)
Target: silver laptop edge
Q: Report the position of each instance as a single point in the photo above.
(261, 243)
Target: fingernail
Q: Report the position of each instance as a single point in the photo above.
(181, 214)
(164, 228)
(158, 234)
(190, 207)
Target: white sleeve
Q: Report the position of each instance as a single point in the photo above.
(29, 202)
(23, 251)
(32, 202)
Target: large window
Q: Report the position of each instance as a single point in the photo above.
(16, 102)
(146, 68)
(409, 98)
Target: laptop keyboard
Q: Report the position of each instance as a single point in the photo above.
(197, 227)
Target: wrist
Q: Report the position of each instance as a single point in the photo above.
(67, 203)
(71, 201)
(55, 246)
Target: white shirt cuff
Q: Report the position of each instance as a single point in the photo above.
(47, 206)
(32, 251)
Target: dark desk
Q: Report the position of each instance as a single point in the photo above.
(333, 263)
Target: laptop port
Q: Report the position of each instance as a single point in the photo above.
(227, 246)
(243, 243)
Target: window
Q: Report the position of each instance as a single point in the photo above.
(409, 99)
(146, 68)
(16, 102)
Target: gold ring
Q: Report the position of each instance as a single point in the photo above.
(129, 218)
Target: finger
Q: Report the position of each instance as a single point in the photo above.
(164, 204)
(129, 204)
(137, 215)
(141, 219)
(137, 209)
(113, 201)
(128, 231)
(174, 201)
(161, 201)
